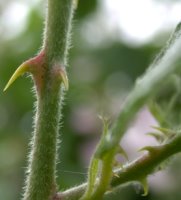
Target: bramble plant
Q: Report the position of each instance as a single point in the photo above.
(48, 70)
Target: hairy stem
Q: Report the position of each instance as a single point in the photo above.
(58, 22)
(41, 179)
(41, 183)
(134, 171)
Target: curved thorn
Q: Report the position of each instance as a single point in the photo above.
(158, 136)
(64, 78)
(19, 71)
(150, 149)
(164, 130)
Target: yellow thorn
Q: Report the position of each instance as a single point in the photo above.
(19, 71)
(64, 78)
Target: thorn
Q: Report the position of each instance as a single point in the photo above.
(24, 67)
(145, 186)
(150, 149)
(64, 78)
(158, 136)
(164, 130)
(116, 175)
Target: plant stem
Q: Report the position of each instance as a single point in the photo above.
(146, 86)
(105, 176)
(164, 65)
(41, 183)
(58, 26)
(41, 179)
(134, 171)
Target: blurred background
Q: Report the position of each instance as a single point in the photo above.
(113, 43)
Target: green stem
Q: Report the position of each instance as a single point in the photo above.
(41, 183)
(134, 171)
(41, 179)
(145, 87)
(165, 64)
(92, 177)
(58, 22)
(105, 176)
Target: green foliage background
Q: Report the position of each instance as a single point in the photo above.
(91, 69)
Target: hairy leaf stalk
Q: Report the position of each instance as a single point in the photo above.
(48, 76)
